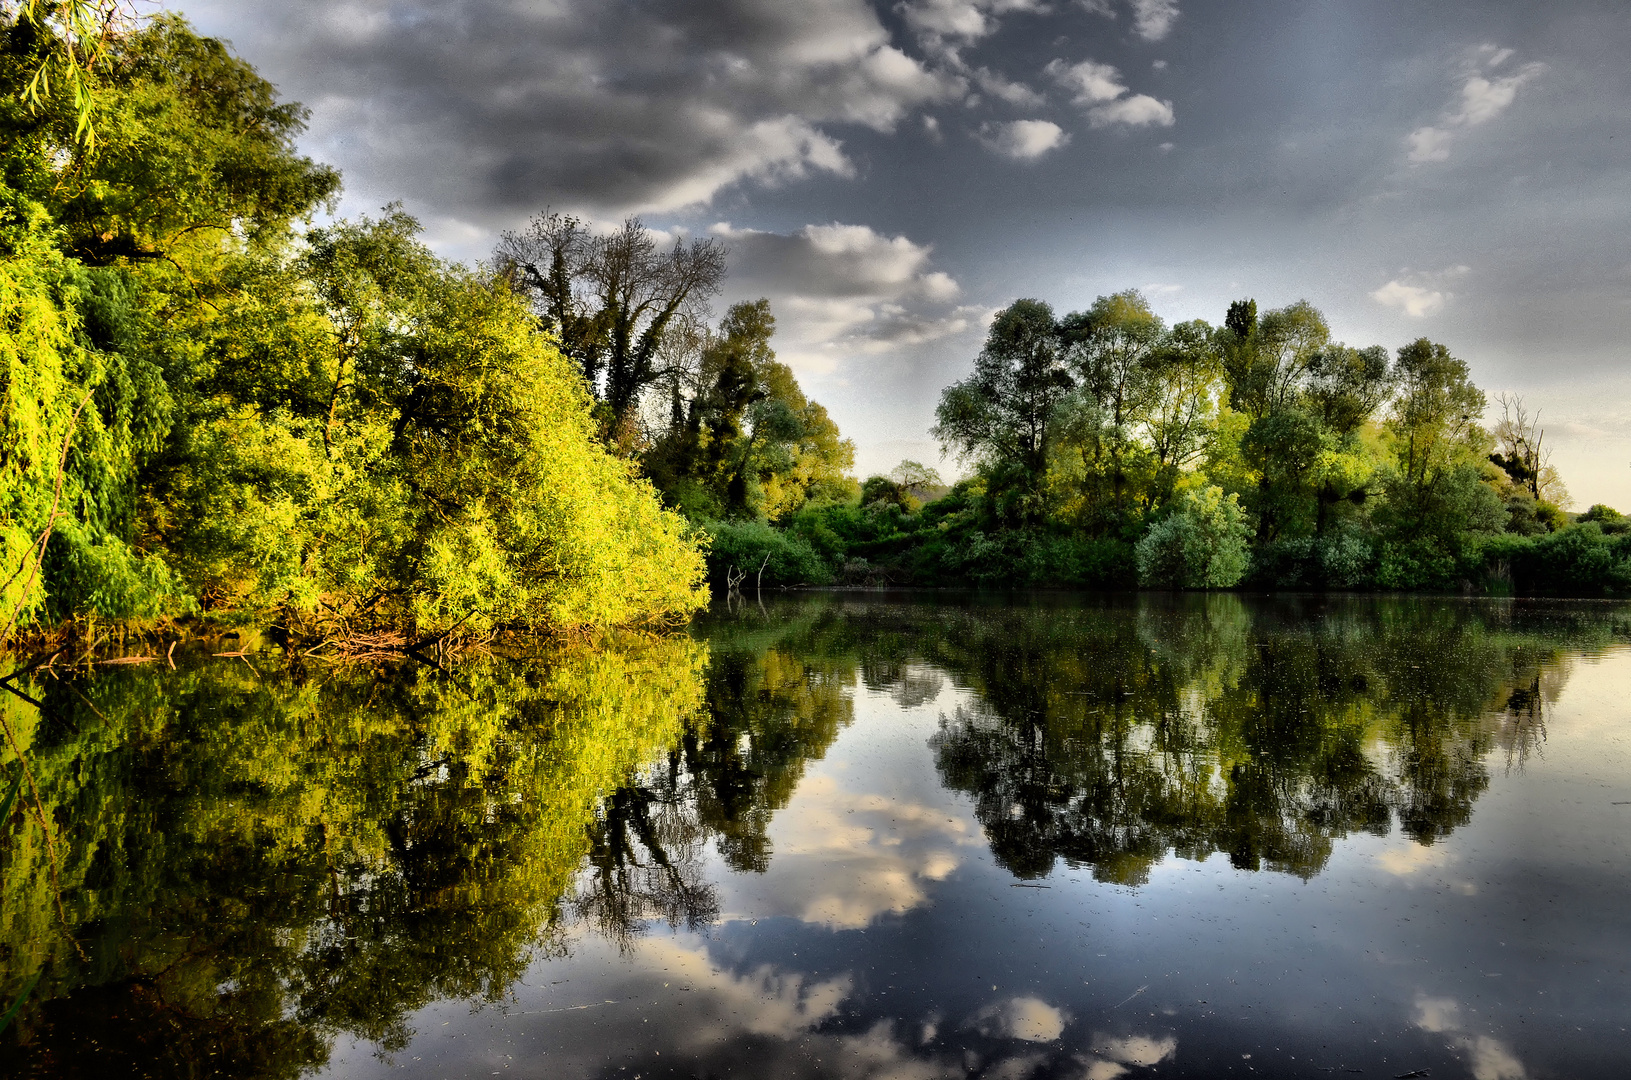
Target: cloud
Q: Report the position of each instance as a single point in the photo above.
(1091, 82)
(844, 859)
(764, 1001)
(1483, 97)
(1413, 300)
(1015, 93)
(1153, 19)
(1140, 110)
(1099, 88)
(1487, 1058)
(1023, 140)
(1111, 1056)
(1421, 294)
(945, 24)
(1428, 144)
(604, 109)
(844, 291)
(1029, 1019)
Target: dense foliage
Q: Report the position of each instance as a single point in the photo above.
(1108, 449)
(208, 408)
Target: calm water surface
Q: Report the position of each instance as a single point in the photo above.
(857, 836)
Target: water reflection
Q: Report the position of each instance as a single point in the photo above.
(251, 862)
(257, 865)
(1110, 738)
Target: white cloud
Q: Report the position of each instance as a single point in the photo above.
(1100, 89)
(938, 21)
(762, 1002)
(1140, 1050)
(846, 858)
(1482, 98)
(1413, 300)
(1015, 93)
(1428, 144)
(1029, 1019)
(1419, 294)
(1140, 110)
(1487, 1058)
(1024, 140)
(1153, 19)
(1111, 1056)
(1091, 82)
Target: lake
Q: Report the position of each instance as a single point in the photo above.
(846, 835)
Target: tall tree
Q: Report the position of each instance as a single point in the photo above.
(747, 442)
(1438, 446)
(611, 297)
(1004, 413)
(1111, 351)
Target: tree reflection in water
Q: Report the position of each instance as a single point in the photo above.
(255, 863)
(1201, 725)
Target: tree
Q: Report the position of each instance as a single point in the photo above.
(1181, 416)
(1112, 349)
(1200, 544)
(610, 298)
(1265, 359)
(1004, 414)
(747, 442)
(1522, 454)
(1436, 492)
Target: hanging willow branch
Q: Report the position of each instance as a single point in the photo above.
(83, 30)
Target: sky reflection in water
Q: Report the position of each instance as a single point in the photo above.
(887, 837)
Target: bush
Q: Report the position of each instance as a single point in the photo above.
(1579, 561)
(786, 558)
(1199, 544)
(1416, 565)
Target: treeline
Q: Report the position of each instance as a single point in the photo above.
(210, 408)
(1106, 448)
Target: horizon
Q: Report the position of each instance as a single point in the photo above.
(889, 175)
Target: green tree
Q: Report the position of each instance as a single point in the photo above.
(1004, 414)
(747, 442)
(1112, 351)
(1201, 543)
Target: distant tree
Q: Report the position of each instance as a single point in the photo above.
(741, 438)
(1111, 350)
(1265, 359)
(1522, 454)
(1436, 491)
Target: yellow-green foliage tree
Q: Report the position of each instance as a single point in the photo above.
(346, 428)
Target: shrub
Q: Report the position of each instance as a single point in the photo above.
(1199, 544)
(786, 558)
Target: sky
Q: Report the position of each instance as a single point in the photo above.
(890, 174)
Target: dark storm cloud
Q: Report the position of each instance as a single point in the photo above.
(595, 106)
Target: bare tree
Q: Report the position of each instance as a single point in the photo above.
(1523, 454)
(611, 298)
